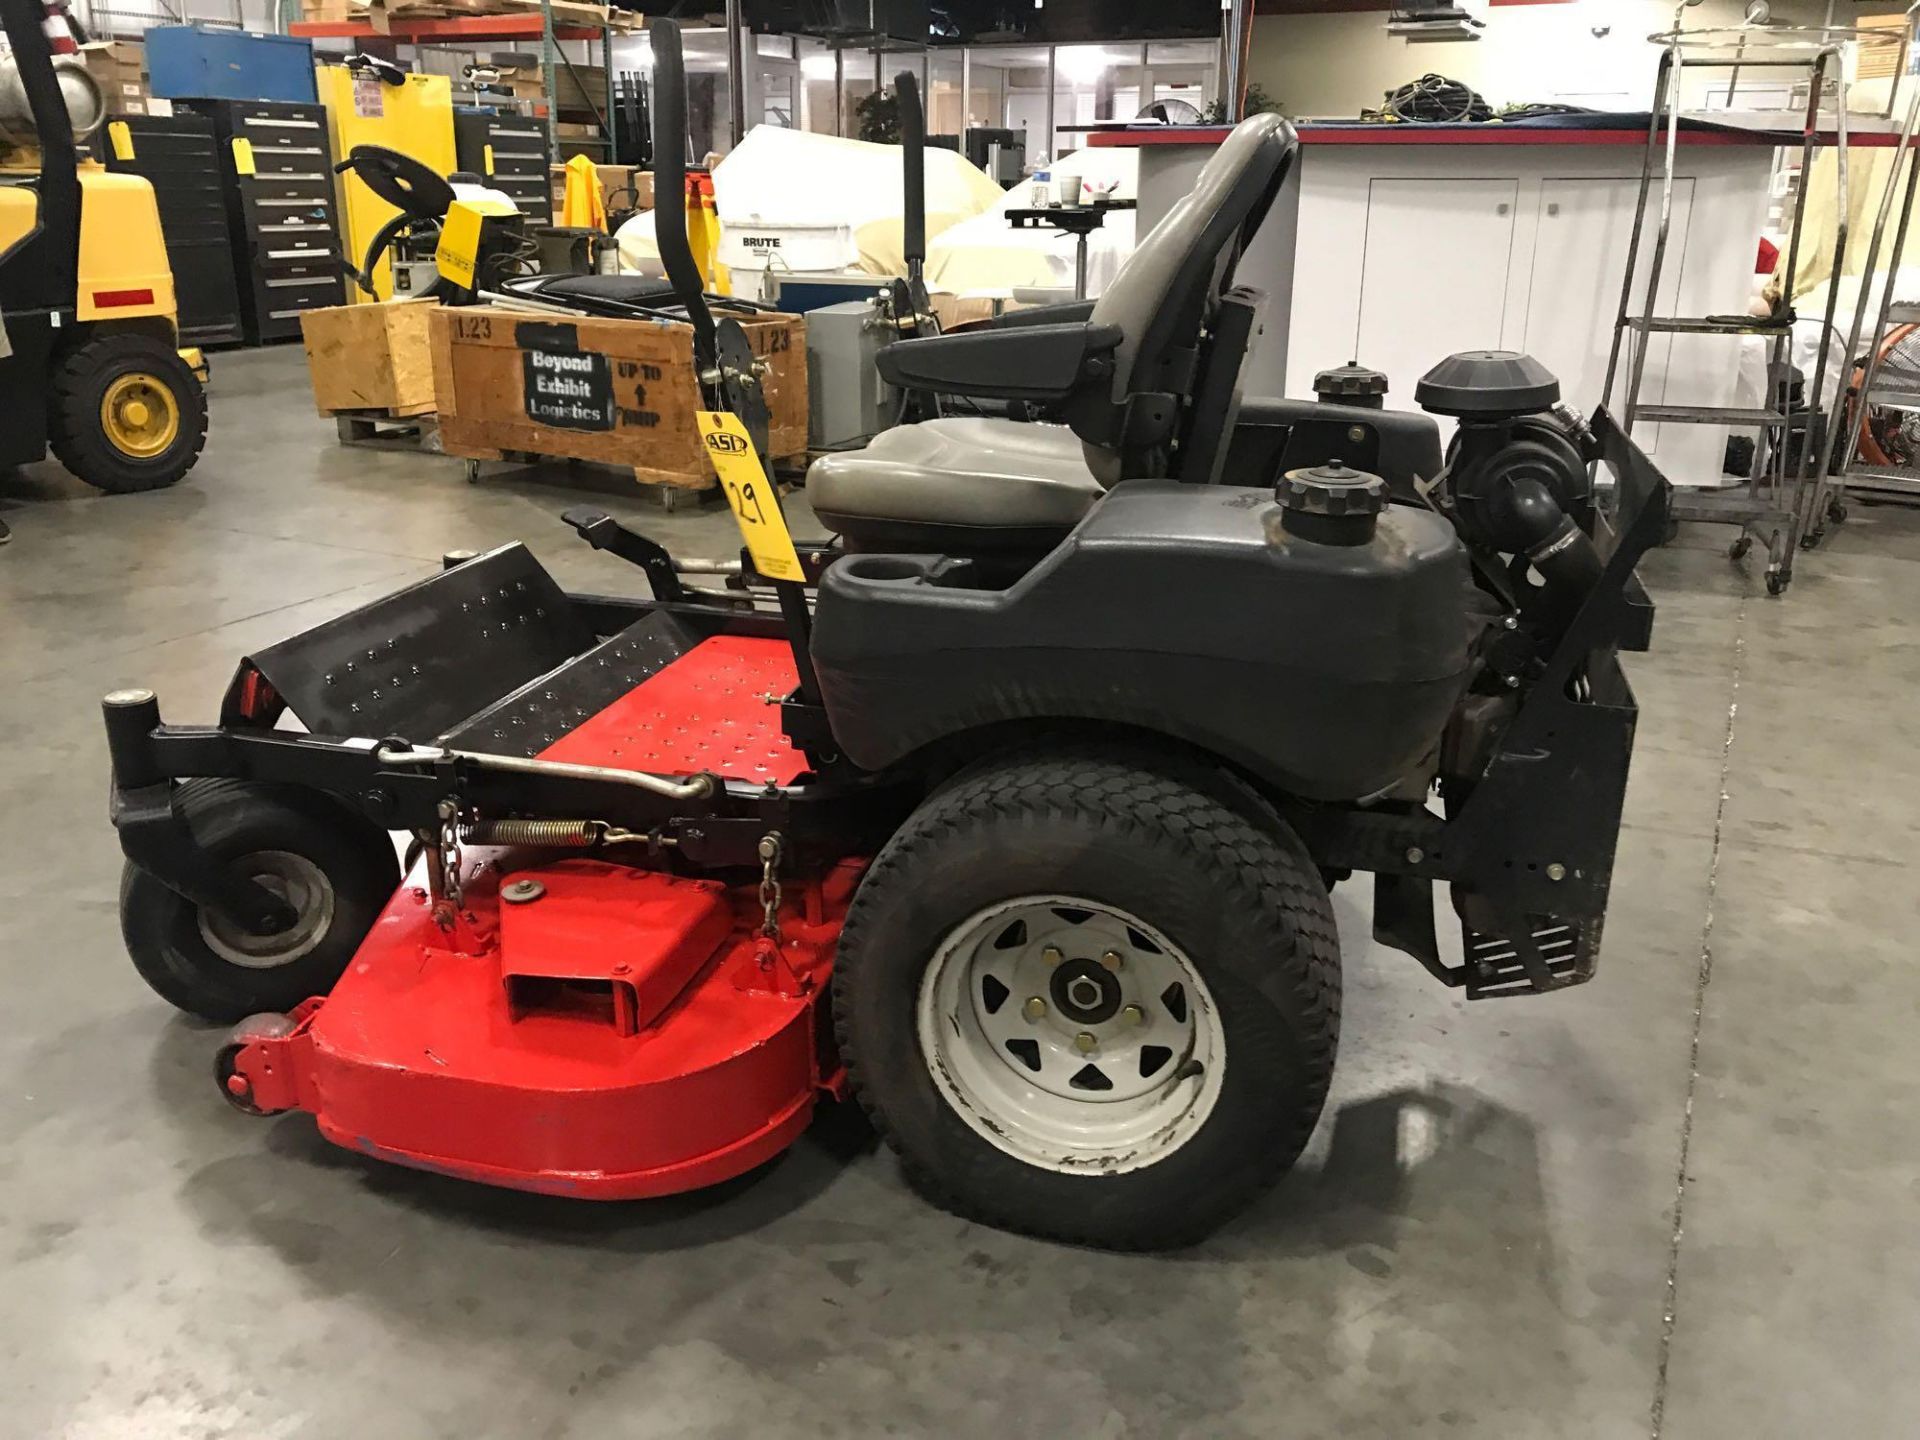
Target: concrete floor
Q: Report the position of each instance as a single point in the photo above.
(1486, 1238)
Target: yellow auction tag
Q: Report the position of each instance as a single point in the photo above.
(459, 249)
(750, 494)
(242, 155)
(486, 157)
(120, 136)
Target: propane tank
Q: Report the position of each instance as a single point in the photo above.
(86, 103)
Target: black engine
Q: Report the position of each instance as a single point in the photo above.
(1518, 478)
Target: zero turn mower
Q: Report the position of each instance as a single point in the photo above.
(1011, 811)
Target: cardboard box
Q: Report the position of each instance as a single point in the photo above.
(332, 10)
(618, 392)
(1879, 61)
(372, 356)
(116, 64)
(120, 66)
(577, 89)
(615, 181)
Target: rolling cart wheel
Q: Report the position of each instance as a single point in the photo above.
(1836, 513)
(1739, 548)
(336, 870)
(1777, 581)
(1811, 540)
(473, 472)
(1085, 995)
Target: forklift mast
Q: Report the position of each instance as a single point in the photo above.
(39, 272)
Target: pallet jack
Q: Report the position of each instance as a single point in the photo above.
(89, 333)
(1010, 811)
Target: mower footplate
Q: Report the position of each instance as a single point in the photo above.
(604, 1032)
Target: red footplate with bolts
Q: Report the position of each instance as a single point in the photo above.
(602, 1031)
(715, 708)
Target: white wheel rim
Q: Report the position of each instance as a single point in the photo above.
(296, 880)
(1071, 1035)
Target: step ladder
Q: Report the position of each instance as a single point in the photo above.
(1771, 507)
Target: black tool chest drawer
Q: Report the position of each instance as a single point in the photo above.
(508, 152)
(277, 175)
(176, 154)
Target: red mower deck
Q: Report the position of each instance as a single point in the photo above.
(603, 1031)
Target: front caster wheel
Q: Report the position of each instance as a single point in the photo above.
(1739, 548)
(1836, 513)
(334, 869)
(1777, 582)
(234, 1088)
(1092, 996)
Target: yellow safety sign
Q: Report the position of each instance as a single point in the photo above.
(743, 479)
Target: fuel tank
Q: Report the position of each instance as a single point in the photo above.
(1328, 664)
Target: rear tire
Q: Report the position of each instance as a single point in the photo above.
(127, 412)
(1096, 851)
(338, 870)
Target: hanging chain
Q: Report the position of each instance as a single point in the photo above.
(770, 849)
(450, 852)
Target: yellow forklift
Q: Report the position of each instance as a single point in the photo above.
(89, 363)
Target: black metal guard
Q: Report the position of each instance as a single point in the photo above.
(1530, 849)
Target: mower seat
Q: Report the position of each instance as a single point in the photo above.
(1133, 377)
(964, 484)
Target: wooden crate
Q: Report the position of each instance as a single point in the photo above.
(371, 357)
(619, 392)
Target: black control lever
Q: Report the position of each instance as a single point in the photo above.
(603, 532)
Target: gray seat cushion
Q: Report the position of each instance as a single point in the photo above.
(973, 472)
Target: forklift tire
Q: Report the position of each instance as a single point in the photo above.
(127, 412)
(336, 869)
(1023, 944)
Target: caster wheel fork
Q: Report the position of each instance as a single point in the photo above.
(235, 1088)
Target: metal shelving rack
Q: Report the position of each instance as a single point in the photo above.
(1880, 383)
(1772, 506)
(460, 31)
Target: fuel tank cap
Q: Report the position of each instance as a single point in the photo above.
(1351, 384)
(1331, 489)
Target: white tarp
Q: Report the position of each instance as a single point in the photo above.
(790, 199)
(987, 256)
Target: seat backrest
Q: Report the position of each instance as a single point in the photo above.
(1165, 292)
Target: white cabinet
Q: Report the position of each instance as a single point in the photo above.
(1577, 260)
(1400, 254)
(1437, 262)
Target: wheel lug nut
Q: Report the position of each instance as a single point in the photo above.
(1053, 955)
(1111, 959)
(1034, 1009)
(1133, 1015)
(1084, 1042)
